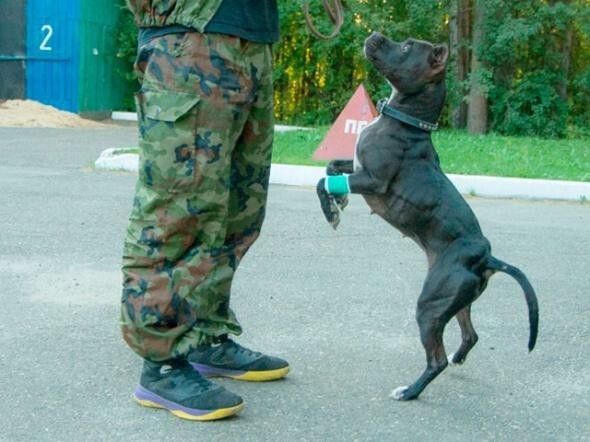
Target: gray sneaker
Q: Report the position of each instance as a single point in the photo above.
(229, 359)
(178, 388)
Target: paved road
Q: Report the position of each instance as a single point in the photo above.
(339, 305)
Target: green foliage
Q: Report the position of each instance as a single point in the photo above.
(531, 107)
(127, 51)
(580, 99)
(580, 95)
(525, 50)
(535, 83)
(314, 78)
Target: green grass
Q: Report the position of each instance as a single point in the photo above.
(466, 154)
(297, 147)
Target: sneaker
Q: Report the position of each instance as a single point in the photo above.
(229, 359)
(178, 388)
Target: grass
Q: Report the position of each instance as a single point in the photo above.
(461, 153)
(297, 147)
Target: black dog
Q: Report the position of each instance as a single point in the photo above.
(397, 171)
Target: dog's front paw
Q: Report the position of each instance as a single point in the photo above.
(328, 204)
(341, 201)
(402, 394)
(331, 169)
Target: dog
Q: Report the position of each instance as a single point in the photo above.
(397, 171)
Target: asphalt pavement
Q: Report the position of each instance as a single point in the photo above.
(339, 305)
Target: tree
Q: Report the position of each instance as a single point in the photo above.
(517, 67)
(459, 23)
(477, 111)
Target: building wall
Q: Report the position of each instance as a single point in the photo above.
(63, 53)
(12, 49)
(102, 86)
(53, 44)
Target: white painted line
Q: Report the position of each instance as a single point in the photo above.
(520, 187)
(296, 175)
(486, 186)
(132, 116)
(124, 116)
(283, 128)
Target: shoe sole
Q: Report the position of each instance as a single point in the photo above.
(242, 375)
(148, 399)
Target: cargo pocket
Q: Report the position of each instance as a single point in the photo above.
(167, 128)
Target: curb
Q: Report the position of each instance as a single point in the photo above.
(132, 116)
(486, 186)
(109, 159)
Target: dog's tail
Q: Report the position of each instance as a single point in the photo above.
(529, 294)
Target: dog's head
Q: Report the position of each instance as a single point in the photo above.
(410, 65)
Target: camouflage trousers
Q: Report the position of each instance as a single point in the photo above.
(205, 111)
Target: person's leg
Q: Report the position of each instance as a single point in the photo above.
(192, 107)
(250, 173)
(176, 258)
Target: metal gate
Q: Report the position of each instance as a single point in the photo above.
(53, 52)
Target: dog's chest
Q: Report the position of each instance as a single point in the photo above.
(357, 164)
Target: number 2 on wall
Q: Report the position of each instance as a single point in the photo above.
(48, 30)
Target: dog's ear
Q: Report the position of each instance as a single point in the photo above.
(438, 57)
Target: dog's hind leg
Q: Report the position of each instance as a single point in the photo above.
(431, 335)
(468, 336)
(445, 293)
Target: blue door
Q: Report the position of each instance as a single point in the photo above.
(53, 52)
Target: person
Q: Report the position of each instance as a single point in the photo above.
(205, 111)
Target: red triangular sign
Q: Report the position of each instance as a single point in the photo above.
(340, 140)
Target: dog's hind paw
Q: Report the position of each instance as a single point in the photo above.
(455, 359)
(399, 394)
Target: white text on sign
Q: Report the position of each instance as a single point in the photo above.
(354, 126)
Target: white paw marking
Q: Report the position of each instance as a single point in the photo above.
(398, 393)
(451, 360)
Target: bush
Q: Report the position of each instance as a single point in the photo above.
(127, 42)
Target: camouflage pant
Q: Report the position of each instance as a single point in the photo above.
(206, 126)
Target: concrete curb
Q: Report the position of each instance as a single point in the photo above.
(487, 186)
(132, 116)
(110, 159)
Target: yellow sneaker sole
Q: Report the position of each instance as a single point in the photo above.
(211, 416)
(262, 376)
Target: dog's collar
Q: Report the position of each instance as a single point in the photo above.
(385, 109)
